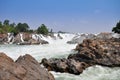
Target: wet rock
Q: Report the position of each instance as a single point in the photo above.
(59, 36)
(79, 38)
(104, 35)
(3, 38)
(33, 41)
(24, 43)
(29, 39)
(99, 51)
(44, 42)
(24, 68)
(58, 65)
(104, 52)
(64, 65)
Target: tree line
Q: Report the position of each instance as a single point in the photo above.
(7, 27)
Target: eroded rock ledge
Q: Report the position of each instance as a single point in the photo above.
(105, 52)
(24, 68)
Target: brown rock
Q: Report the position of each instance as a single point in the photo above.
(105, 52)
(3, 38)
(25, 68)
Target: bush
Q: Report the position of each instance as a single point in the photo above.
(116, 29)
(22, 27)
(42, 30)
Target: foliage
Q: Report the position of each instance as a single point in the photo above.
(0, 24)
(6, 22)
(116, 29)
(6, 27)
(22, 27)
(30, 31)
(42, 30)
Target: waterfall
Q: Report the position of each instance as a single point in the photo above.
(21, 37)
(10, 38)
(36, 37)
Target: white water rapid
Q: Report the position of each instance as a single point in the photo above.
(59, 48)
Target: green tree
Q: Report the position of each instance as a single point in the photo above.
(22, 27)
(0, 24)
(6, 22)
(30, 31)
(116, 29)
(42, 30)
(12, 24)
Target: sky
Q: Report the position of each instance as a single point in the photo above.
(83, 16)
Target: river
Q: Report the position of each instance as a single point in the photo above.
(58, 49)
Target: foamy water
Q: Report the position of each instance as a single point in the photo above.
(59, 48)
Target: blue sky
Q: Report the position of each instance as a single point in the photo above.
(84, 16)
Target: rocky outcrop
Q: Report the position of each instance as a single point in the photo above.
(24, 68)
(100, 51)
(104, 35)
(64, 65)
(80, 37)
(22, 39)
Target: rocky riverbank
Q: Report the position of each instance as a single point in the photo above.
(96, 51)
(24, 68)
(27, 38)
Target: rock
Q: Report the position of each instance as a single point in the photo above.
(33, 41)
(58, 65)
(98, 51)
(22, 38)
(24, 43)
(64, 65)
(104, 35)
(27, 36)
(29, 39)
(79, 38)
(52, 36)
(59, 36)
(24, 68)
(18, 38)
(3, 38)
(44, 42)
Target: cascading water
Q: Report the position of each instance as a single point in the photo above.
(58, 48)
(35, 37)
(21, 37)
(10, 38)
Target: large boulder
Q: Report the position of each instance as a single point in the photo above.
(64, 65)
(24, 68)
(104, 52)
(99, 51)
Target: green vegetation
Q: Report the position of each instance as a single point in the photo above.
(116, 29)
(42, 30)
(22, 27)
(6, 27)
